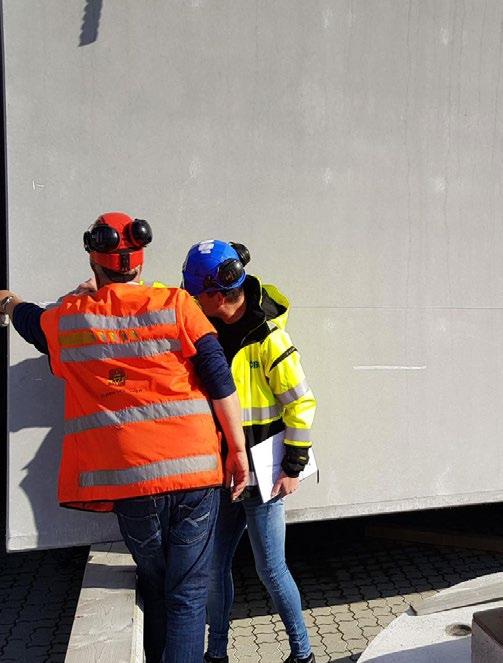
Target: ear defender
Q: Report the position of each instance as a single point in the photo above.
(229, 272)
(101, 238)
(242, 251)
(139, 233)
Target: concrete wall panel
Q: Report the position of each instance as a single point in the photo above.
(354, 146)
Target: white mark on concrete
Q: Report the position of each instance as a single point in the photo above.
(439, 184)
(389, 368)
(37, 185)
(327, 17)
(445, 36)
(328, 176)
(196, 4)
(194, 169)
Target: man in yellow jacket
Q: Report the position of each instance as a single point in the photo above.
(275, 398)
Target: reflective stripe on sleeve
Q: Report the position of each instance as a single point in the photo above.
(298, 434)
(114, 350)
(294, 393)
(260, 413)
(133, 415)
(157, 470)
(92, 321)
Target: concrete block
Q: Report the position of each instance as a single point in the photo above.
(487, 636)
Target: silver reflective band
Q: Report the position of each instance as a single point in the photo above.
(165, 316)
(298, 434)
(131, 415)
(114, 350)
(293, 393)
(157, 470)
(260, 413)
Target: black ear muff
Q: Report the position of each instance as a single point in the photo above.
(242, 251)
(229, 272)
(139, 233)
(101, 239)
(86, 237)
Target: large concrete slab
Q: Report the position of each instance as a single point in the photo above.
(355, 147)
(427, 638)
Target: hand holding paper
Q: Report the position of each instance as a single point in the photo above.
(267, 457)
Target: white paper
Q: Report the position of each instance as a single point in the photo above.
(267, 457)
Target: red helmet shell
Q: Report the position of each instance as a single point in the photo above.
(115, 260)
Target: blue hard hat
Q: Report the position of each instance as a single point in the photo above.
(210, 266)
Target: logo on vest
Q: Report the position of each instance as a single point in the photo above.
(117, 377)
(254, 364)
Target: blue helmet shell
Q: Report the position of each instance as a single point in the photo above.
(202, 262)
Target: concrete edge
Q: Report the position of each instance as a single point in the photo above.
(108, 623)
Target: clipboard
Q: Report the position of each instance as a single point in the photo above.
(267, 457)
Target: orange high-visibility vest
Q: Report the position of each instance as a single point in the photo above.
(137, 421)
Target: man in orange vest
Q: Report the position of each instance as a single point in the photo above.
(143, 371)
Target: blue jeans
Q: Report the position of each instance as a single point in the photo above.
(266, 530)
(170, 537)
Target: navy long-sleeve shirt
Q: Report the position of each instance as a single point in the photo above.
(210, 362)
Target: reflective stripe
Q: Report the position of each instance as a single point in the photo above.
(157, 470)
(260, 413)
(293, 393)
(131, 415)
(299, 434)
(114, 350)
(165, 316)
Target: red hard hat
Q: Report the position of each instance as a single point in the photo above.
(116, 241)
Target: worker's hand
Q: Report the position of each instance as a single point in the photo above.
(236, 472)
(285, 485)
(86, 287)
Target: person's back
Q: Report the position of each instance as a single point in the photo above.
(131, 394)
(141, 366)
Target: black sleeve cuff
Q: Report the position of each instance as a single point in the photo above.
(26, 321)
(294, 460)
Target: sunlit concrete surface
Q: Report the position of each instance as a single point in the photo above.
(439, 637)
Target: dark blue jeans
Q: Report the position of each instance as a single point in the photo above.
(171, 540)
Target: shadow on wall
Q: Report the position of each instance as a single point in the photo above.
(90, 22)
(36, 402)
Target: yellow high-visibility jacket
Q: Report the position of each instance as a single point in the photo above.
(271, 384)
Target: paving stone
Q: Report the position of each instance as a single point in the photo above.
(334, 644)
(246, 642)
(328, 629)
(269, 652)
(265, 637)
(241, 631)
(350, 631)
(263, 628)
